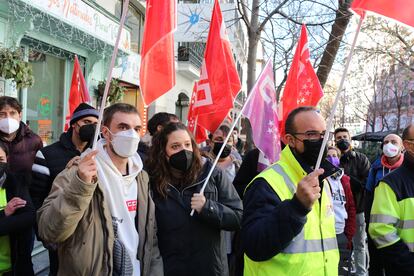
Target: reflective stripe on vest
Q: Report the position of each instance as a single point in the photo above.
(390, 238)
(299, 244)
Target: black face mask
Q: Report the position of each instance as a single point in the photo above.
(3, 168)
(226, 151)
(86, 132)
(182, 160)
(343, 144)
(311, 151)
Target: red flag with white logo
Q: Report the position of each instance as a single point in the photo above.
(400, 10)
(157, 73)
(219, 82)
(200, 134)
(302, 85)
(78, 91)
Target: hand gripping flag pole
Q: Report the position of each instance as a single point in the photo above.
(249, 97)
(109, 76)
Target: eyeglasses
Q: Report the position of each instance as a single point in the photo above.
(409, 140)
(313, 135)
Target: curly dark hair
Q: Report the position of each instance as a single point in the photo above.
(158, 167)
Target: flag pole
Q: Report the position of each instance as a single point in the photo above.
(109, 75)
(226, 140)
(341, 85)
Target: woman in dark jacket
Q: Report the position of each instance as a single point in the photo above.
(17, 216)
(190, 245)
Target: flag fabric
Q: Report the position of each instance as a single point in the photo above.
(78, 91)
(219, 82)
(302, 85)
(261, 109)
(400, 10)
(199, 132)
(157, 73)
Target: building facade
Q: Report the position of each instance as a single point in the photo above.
(51, 33)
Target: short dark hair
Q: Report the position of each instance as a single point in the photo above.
(336, 149)
(4, 147)
(159, 119)
(406, 132)
(118, 107)
(290, 120)
(12, 102)
(236, 129)
(341, 129)
(225, 129)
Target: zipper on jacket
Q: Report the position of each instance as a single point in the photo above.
(105, 234)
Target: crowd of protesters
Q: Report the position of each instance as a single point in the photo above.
(124, 208)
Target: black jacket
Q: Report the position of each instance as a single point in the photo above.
(19, 225)
(248, 171)
(195, 245)
(356, 165)
(49, 162)
(398, 260)
(22, 149)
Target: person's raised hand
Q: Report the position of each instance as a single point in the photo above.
(308, 190)
(87, 170)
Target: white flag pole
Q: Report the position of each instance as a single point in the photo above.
(341, 85)
(227, 139)
(109, 75)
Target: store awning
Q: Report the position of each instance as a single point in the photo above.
(372, 136)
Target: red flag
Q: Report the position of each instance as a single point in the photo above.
(78, 91)
(400, 10)
(219, 82)
(302, 85)
(200, 134)
(157, 73)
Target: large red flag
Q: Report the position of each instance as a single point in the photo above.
(302, 85)
(78, 91)
(400, 10)
(219, 82)
(200, 134)
(157, 73)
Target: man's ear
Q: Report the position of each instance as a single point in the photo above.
(105, 132)
(290, 140)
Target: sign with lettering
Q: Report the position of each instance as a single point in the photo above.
(84, 17)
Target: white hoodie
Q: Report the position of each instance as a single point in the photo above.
(121, 194)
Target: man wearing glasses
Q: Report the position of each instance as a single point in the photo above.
(288, 221)
(391, 225)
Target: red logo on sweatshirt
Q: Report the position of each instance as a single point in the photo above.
(132, 205)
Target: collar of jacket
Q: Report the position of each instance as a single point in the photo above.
(304, 166)
(408, 161)
(349, 155)
(66, 140)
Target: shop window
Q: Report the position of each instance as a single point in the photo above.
(113, 7)
(45, 98)
(135, 22)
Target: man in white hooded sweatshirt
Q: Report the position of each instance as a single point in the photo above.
(100, 210)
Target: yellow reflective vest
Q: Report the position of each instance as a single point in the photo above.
(392, 219)
(314, 251)
(5, 255)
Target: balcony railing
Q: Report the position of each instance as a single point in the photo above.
(192, 52)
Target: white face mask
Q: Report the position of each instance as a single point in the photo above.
(390, 150)
(9, 125)
(125, 143)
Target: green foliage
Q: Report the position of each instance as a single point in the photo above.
(371, 149)
(116, 91)
(13, 66)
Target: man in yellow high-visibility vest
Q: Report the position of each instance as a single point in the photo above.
(391, 225)
(288, 221)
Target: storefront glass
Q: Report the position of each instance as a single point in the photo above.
(45, 99)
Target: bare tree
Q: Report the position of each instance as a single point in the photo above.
(277, 24)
